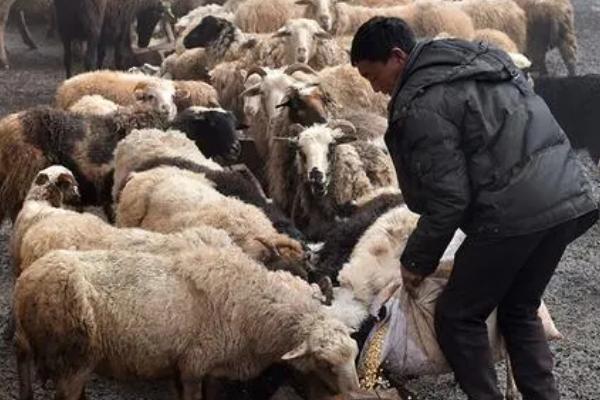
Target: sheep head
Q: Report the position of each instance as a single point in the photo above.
(272, 88)
(146, 22)
(315, 149)
(301, 39)
(327, 353)
(323, 11)
(213, 130)
(158, 95)
(208, 31)
(56, 185)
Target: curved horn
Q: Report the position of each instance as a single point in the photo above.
(299, 67)
(269, 246)
(256, 70)
(343, 125)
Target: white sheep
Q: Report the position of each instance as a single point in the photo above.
(43, 225)
(212, 312)
(307, 42)
(263, 16)
(334, 169)
(427, 19)
(503, 15)
(551, 24)
(172, 198)
(145, 144)
(126, 89)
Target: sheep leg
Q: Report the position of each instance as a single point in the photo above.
(188, 389)
(51, 32)
(71, 388)
(168, 29)
(4, 10)
(92, 60)
(67, 57)
(24, 31)
(24, 371)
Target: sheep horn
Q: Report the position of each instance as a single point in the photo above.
(343, 125)
(270, 246)
(256, 70)
(299, 67)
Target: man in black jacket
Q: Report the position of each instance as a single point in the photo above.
(474, 148)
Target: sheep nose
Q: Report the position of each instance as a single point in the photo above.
(301, 55)
(325, 22)
(315, 175)
(235, 151)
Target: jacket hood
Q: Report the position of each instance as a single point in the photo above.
(448, 60)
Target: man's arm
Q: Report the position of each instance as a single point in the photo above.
(439, 165)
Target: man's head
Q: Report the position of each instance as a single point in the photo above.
(380, 51)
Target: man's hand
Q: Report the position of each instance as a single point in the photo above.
(411, 281)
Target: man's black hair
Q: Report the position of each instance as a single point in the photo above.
(376, 38)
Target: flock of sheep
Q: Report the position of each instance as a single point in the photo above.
(196, 267)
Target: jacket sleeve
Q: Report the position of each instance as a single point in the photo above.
(438, 165)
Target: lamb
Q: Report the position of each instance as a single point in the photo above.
(39, 137)
(427, 19)
(332, 173)
(550, 24)
(102, 22)
(42, 226)
(264, 16)
(170, 198)
(125, 88)
(260, 318)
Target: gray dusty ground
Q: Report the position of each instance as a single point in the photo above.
(573, 296)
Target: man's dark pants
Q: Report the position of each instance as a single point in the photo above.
(511, 274)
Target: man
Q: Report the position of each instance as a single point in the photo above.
(476, 149)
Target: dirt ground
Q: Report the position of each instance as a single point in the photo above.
(573, 296)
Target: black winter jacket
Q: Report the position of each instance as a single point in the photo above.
(474, 148)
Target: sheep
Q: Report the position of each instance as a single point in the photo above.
(168, 198)
(32, 140)
(307, 42)
(35, 138)
(264, 16)
(260, 318)
(193, 18)
(574, 103)
(146, 149)
(427, 19)
(224, 41)
(503, 15)
(125, 89)
(332, 173)
(142, 145)
(550, 24)
(42, 226)
(101, 22)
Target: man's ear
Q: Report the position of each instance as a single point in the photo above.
(399, 54)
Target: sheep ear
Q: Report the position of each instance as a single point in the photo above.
(282, 32)
(182, 95)
(296, 129)
(65, 181)
(303, 2)
(322, 34)
(299, 351)
(251, 91)
(345, 139)
(41, 179)
(343, 125)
